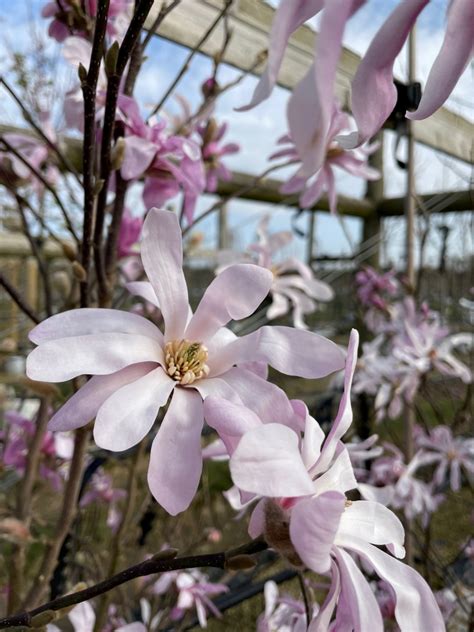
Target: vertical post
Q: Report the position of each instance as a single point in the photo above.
(310, 244)
(410, 215)
(375, 193)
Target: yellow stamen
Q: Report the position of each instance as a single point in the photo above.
(186, 361)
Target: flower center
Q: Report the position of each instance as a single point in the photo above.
(186, 361)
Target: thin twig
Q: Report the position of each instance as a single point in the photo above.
(189, 58)
(18, 299)
(158, 20)
(68, 511)
(89, 90)
(44, 182)
(160, 563)
(68, 166)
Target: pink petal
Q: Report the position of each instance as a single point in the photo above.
(82, 617)
(279, 306)
(234, 294)
(290, 351)
(162, 256)
(267, 461)
(416, 607)
(175, 459)
(340, 476)
(322, 620)
(82, 407)
(373, 523)
(230, 420)
(452, 59)
(289, 15)
(312, 441)
(138, 156)
(65, 358)
(144, 290)
(127, 415)
(91, 320)
(357, 609)
(257, 520)
(313, 527)
(373, 92)
(344, 414)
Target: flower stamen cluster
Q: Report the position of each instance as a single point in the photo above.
(186, 361)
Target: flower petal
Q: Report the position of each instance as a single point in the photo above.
(65, 358)
(451, 61)
(373, 523)
(91, 320)
(416, 607)
(82, 407)
(289, 15)
(234, 294)
(138, 156)
(291, 351)
(339, 476)
(144, 290)
(313, 526)
(267, 461)
(230, 420)
(162, 256)
(126, 417)
(175, 459)
(257, 520)
(322, 620)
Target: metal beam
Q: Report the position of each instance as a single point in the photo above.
(251, 20)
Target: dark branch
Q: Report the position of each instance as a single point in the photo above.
(18, 299)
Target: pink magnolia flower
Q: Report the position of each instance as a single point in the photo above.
(194, 591)
(308, 479)
(170, 163)
(282, 614)
(212, 152)
(129, 233)
(136, 368)
(101, 490)
(313, 183)
(70, 18)
(450, 453)
(294, 285)
(374, 289)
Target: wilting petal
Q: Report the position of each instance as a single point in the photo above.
(230, 420)
(416, 607)
(175, 459)
(91, 320)
(452, 59)
(373, 92)
(358, 609)
(291, 351)
(65, 358)
(127, 416)
(234, 294)
(162, 256)
(82, 407)
(267, 400)
(289, 15)
(344, 414)
(138, 156)
(373, 523)
(267, 461)
(321, 622)
(313, 527)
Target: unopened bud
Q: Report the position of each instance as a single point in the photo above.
(240, 563)
(111, 57)
(211, 131)
(277, 532)
(166, 554)
(210, 87)
(118, 153)
(99, 183)
(82, 72)
(69, 250)
(42, 619)
(78, 271)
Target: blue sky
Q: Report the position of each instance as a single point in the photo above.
(257, 130)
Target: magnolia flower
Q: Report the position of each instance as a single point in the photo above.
(313, 524)
(293, 286)
(129, 233)
(194, 591)
(102, 491)
(82, 618)
(282, 614)
(136, 368)
(314, 183)
(211, 135)
(374, 289)
(450, 453)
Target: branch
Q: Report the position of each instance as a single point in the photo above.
(43, 181)
(192, 53)
(18, 299)
(89, 90)
(160, 563)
